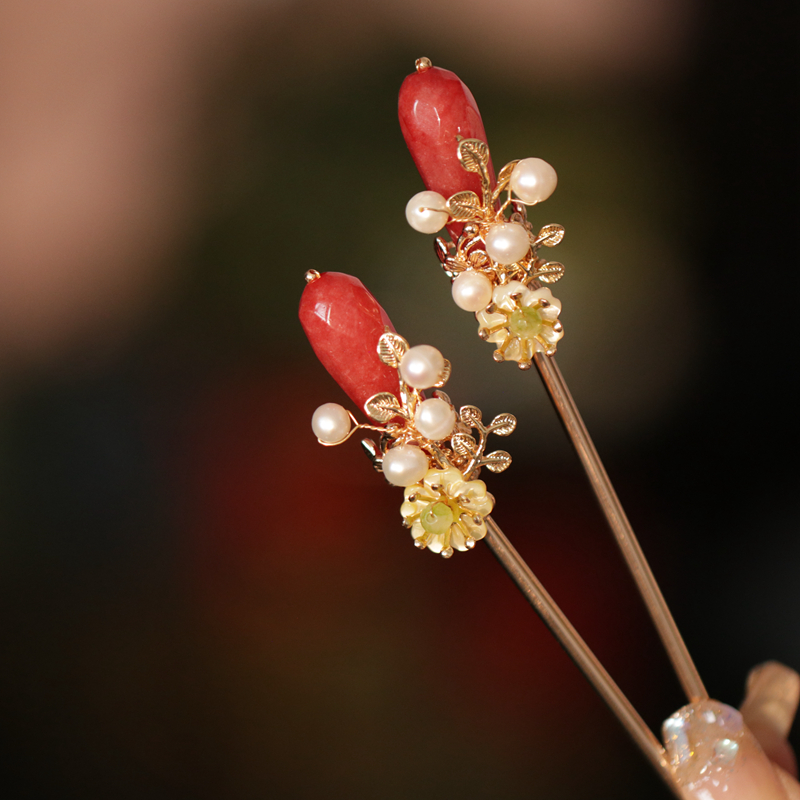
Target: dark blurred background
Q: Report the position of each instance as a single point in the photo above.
(198, 601)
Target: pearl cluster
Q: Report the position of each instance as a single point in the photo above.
(531, 181)
(420, 367)
(425, 446)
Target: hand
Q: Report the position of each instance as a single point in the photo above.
(718, 753)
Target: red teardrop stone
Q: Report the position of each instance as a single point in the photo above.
(434, 108)
(343, 322)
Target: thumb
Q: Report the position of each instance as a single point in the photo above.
(770, 703)
(769, 708)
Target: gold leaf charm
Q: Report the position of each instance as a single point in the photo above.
(463, 445)
(549, 236)
(470, 415)
(383, 406)
(503, 424)
(473, 155)
(551, 272)
(498, 461)
(464, 206)
(478, 259)
(442, 249)
(391, 349)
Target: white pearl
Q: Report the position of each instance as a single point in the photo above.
(404, 465)
(435, 419)
(330, 423)
(422, 366)
(426, 212)
(472, 291)
(533, 180)
(507, 242)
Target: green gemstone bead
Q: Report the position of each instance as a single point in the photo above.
(436, 518)
(525, 322)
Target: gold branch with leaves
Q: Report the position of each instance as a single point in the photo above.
(462, 450)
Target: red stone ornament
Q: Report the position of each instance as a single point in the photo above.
(435, 107)
(343, 322)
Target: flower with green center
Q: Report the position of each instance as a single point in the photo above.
(525, 322)
(436, 518)
(446, 512)
(522, 322)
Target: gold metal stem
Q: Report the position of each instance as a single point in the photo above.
(579, 651)
(626, 539)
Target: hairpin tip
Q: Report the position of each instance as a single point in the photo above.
(423, 64)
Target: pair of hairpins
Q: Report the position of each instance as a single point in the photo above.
(436, 452)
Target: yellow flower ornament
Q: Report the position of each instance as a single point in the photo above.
(446, 512)
(425, 445)
(521, 322)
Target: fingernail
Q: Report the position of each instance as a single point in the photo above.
(773, 692)
(714, 755)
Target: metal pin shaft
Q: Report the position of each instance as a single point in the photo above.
(578, 650)
(620, 526)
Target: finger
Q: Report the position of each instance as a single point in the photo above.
(714, 756)
(769, 708)
(790, 785)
